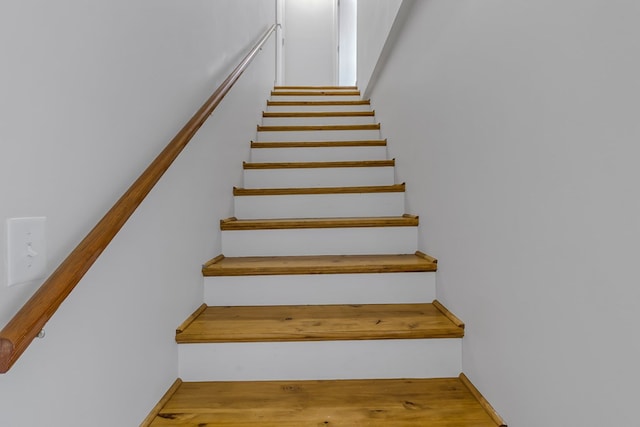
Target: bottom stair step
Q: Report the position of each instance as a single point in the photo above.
(445, 402)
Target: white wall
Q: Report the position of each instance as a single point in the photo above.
(516, 128)
(310, 50)
(375, 18)
(90, 92)
(348, 42)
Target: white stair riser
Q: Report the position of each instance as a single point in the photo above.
(319, 205)
(318, 154)
(322, 135)
(414, 358)
(312, 289)
(315, 107)
(307, 121)
(318, 177)
(320, 241)
(304, 98)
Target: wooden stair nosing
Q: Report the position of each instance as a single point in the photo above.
(320, 144)
(315, 128)
(315, 165)
(429, 258)
(444, 310)
(436, 402)
(287, 323)
(396, 188)
(231, 224)
(271, 103)
(191, 318)
(315, 93)
(316, 264)
(310, 114)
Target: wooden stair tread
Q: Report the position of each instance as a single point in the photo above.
(319, 264)
(306, 114)
(311, 87)
(313, 128)
(312, 165)
(318, 323)
(440, 402)
(289, 223)
(271, 103)
(326, 92)
(320, 144)
(396, 188)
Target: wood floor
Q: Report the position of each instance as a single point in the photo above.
(443, 402)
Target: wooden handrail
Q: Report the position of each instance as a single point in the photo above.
(34, 314)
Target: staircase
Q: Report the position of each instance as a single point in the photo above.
(322, 310)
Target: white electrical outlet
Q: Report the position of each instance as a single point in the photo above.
(27, 252)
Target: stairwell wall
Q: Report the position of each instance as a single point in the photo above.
(375, 18)
(90, 93)
(515, 125)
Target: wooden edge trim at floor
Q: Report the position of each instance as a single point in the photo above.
(308, 103)
(427, 257)
(307, 114)
(313, 128)
(320, 144)
(163, 401)
(456, 321)
(482, 401)
(397, 188)
(231, 224)
(312, 165)
(191, 318)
